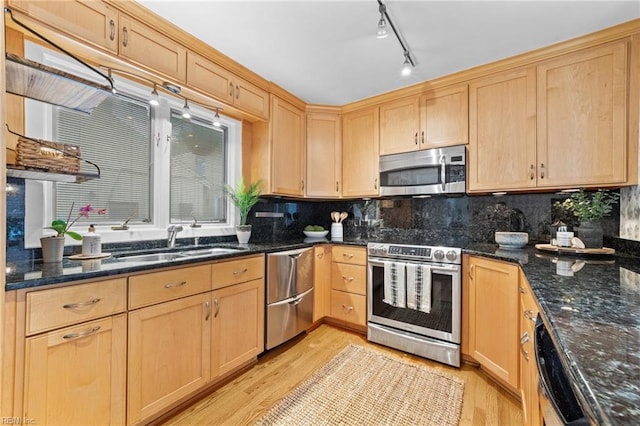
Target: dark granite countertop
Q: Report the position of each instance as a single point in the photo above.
(591, 305)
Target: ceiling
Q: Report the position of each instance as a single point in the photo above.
(326, 52)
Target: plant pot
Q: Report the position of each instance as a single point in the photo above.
(52, 249)
(590, 233)
(243, 232)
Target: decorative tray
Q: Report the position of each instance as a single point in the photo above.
(573, 250)
(89, 256)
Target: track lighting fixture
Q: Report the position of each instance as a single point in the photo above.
(186, 111)
(382, 23)
(216, 119)
(382, 33)
(154, 100)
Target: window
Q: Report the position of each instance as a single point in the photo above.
(198, 152)
(115, 136)
(157, 168)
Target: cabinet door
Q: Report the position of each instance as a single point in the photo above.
(502, 132)
(76, 376)
(88, 20)
(169, 354)
(528, 367)
(238, 326)
(324, 155)
(493, 317)
(444, 117)
(321, 281)
(399, 125)
(360, 158)
(210, 78)
(250, 98)
(150, 49)
(287, 148)
(582, 117)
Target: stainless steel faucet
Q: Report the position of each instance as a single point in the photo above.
(172, 232)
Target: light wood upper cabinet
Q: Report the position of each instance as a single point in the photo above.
(76, 375)
(88, 20)
(324, 155)
(582, 117)
(444, 117)
(147, 47)
(287, 148)
(169, 354)
(237, 326)
(493, 317)
(360, 153)
(212, 79)
(400, 125)
(502, 132)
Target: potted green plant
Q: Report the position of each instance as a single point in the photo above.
(244, 198)
(53, 246)
(589, 209)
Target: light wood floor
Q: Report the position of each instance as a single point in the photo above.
(243, 400)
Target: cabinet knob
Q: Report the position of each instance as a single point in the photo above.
(347, 308)
(348, 279)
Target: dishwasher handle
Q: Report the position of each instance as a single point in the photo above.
(295, 300)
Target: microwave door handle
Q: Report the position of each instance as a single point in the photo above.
(443, 174)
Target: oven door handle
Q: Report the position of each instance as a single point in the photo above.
(376, 261)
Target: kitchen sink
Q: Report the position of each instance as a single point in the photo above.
(180, 255)
(153, 257)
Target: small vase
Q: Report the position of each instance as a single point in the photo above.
(243, 232)
(52, 249)
(590, 233)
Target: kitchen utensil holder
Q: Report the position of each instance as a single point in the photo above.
(337, 231)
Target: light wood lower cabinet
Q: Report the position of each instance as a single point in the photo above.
(169, 354)
(348, 285)
(493, 312)
(528, 367)
(237, 327)
(321, 281)
(76, 375)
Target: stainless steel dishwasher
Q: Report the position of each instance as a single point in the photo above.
(289, 295)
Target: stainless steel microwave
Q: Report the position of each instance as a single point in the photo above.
(429, 171)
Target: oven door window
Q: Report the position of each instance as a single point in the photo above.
(440, 322)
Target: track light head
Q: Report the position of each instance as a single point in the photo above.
(406, 67)
(186, 111)
(154, 100)
(382, 23)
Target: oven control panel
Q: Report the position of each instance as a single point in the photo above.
(409, 252)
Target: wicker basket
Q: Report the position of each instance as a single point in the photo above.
(50, 156)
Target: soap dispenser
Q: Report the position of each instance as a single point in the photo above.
(91, 243)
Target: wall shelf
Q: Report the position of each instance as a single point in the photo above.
(39, 174)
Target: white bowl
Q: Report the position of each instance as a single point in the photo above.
(512, 240)
(316, 234)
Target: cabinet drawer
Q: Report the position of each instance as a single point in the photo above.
(349, 307)
(346, 254)
(59, 307)
(350, 278)
(237, 271)
(158, 287)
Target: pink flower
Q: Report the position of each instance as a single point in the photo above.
(84, 211)
(102, 211)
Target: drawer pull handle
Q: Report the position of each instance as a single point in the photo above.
(422, 140)
(231, 89)
(174, 285)
(240, 272)
(524, 339)
(216, 305)
(207, 307)
(541, 170)
(528, 314)
(112, 30)
(349, 279)
(471, 272)
(81, 304)
(237, 92)
(522, 290)
(532, 172)
(415, 138)
(93, 330)
(347, 255)
(320, 255)
(125, 39)
(347, 308)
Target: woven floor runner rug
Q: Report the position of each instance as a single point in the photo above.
(362, 386)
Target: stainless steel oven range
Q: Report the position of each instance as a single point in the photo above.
(414, 303)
